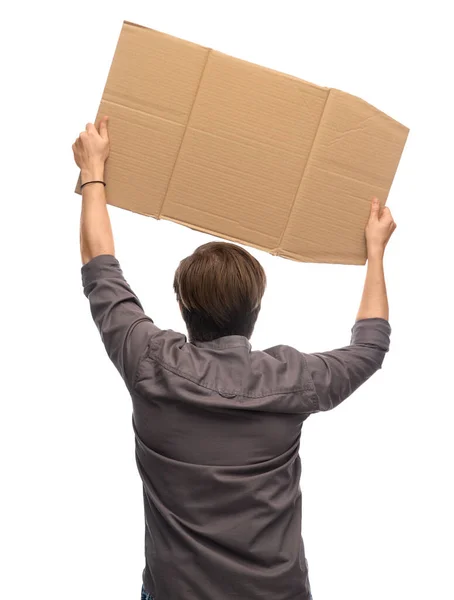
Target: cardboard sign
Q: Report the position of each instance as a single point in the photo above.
(243, 152)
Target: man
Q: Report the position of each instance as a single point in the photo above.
(218, 426)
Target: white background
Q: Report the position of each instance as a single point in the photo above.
(377, 472)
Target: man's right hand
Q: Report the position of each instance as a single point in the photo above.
(379, 229)
(374, 301)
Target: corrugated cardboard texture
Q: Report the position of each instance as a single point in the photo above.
(242, 152)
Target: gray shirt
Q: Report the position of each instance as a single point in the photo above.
(217, 429)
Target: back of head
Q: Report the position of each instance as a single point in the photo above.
(219, 289)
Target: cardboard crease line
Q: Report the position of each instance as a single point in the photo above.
(185, 131)
(279, 249)
(140, 111)
(361, 127)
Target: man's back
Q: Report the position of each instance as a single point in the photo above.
(217, 430)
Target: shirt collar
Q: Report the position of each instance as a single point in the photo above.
(230, 341)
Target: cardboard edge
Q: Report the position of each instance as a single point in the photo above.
(163, 33)
(397, 165)
(77, 189)
(273, 252)
(221, 53)
(284, 254)
(273, 71)
(288, 255)
(330, 261)
(217, 234)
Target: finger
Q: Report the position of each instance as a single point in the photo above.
(90, 128)
(103, 128)
(386, 215)
(374, 209)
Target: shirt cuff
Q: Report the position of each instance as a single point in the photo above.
(373, 332)
(104, 265)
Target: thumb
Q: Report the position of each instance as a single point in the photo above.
(103, 128)
(374, 209)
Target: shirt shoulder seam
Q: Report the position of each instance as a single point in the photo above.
(176, 371)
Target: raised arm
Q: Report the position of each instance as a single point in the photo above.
(116, 310)
(337, 374)
(374, 302)
(91, 151)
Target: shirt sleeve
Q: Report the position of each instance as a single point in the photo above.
(125, 329)
(338, 373)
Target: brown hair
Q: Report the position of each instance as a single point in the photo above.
(220, 289)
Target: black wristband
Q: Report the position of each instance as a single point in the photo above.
(88, 182)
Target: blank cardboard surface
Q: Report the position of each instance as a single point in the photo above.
(243, 152)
